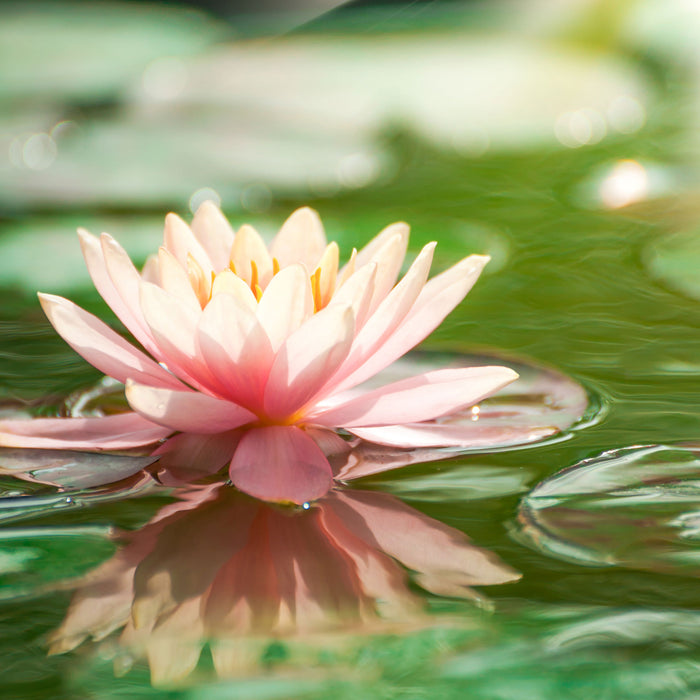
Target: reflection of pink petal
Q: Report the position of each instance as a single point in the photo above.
(280, 463)
(117, 432)
(379, 576)
(218, 566)
(444, 559)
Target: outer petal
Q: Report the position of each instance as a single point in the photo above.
(424, 397)
(306, 360)
(368, 253)
(388, 259)
(101, 346)
(118, 432)
(187, 411)
(286, 304)
(439, 296)
(300, 240)
(214, 232)
(131, 317)
(174, 326)
(280, 463)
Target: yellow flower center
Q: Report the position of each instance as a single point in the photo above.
(323, 279)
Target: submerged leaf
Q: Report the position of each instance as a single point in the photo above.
(637, 507)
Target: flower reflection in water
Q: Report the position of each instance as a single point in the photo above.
(220, 568)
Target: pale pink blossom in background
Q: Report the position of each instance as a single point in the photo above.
(220, 568)
(257, 353)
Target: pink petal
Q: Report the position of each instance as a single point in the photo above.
(357, 292)
(286, 304)
(300, 240)
(235, 348)
(307, 359)
(131, 317)
(150, 271)
(174, 328)
(186, 457)
(214, 232)
(101, 346)
(175, 280)
(439, 296)
(117, 432)
(226, 282)
(368, 252)
(445, 559)
(389, 315)
(472, 437)
(249, 247)
(388, 260)
(187, 411)
(424, 397)
(181, 242)
(280, 463)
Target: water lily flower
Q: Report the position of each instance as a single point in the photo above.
(314, 577)
(276, 340)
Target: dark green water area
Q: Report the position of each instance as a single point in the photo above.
(582, 184)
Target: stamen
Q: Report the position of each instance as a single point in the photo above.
(275, 266)
(253, 275)
(316, 289)
(232, 267)
(258, 292)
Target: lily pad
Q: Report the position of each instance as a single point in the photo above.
(637, 507)
(181, 154)
(69, 469)
(454, 89)
(90, 52)
(44, 254)
(675, 260)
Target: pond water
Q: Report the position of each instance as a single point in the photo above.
(567, 152)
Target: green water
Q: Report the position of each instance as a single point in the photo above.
(572, 285)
